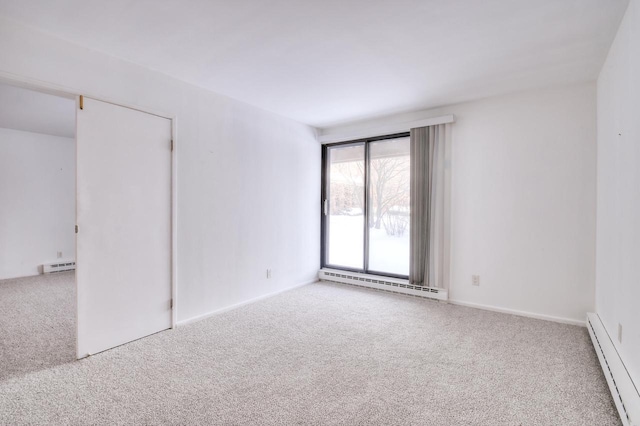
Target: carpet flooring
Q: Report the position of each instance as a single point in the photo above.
(320, 354)
(37, 323)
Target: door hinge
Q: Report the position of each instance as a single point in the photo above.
(325, 207)
(171, 303)
(81, 102)
(171, 145)
(76, 229)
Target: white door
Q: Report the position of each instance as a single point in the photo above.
(124, 225)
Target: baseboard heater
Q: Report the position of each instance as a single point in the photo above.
(381, 283)
(624, 393)
(51, 268)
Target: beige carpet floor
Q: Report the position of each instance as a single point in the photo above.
(320, 354)
(37, 323)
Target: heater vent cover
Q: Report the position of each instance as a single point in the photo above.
(623, 390)
(51, 268)
(382, 283)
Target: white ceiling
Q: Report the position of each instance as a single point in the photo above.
(30, 111)
(326, 62)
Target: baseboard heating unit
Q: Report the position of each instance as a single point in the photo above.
(381, 283)
(624, 393)
(50, 268)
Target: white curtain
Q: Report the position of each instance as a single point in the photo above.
(428, 259)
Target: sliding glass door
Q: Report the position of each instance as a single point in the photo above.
(366, 206)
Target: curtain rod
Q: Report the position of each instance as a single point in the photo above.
(386, 129)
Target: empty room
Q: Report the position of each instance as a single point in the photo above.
(419, 212)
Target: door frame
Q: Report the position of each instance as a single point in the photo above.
(326, 196)
(74, 93)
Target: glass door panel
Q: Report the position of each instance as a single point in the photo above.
(389, 184)
(345, 221)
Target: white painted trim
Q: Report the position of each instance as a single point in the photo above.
(241, 304)
(37, 85)
(174, 222)
(386, 129)
(71, 93)
(620, 383)
(519, 313)
(75, 236)
(17, 277)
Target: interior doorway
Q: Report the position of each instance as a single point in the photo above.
(87, 226)
(37, 240)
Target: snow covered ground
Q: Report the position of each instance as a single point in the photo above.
(387, 253)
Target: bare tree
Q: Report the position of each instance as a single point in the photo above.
(389, 186)
(348, 192)
(389, 177)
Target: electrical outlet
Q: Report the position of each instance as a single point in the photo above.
(619, 332)
(268, 273)
(59, 255)
(475, 280)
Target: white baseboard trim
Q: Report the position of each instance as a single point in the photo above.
(21, 276)
(623, 391)
(519, 313)
(238, 305)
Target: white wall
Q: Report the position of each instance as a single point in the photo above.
(523, 200)
(618, 236)
(37, 201)
(248, 180)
